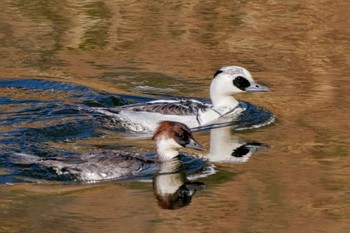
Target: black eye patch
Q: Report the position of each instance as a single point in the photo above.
(241, 83)
(240, 151)
(217, 72)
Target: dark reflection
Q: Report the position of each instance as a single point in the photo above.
(172, 188)
(226, 147)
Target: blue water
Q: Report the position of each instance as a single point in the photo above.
(29, 122)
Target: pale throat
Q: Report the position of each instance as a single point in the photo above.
(167, 149)
(221, 96)
(220, 100)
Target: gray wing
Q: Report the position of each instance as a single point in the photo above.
(170, 107)
(27, 159)
(105, 165)
(116, 158)
(114, 164)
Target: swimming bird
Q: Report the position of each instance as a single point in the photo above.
(169, 138)
(227, 81)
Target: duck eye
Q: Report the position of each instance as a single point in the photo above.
(182, 139)
(239, 79)
(241, 83)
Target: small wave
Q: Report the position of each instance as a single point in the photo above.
(154, 90)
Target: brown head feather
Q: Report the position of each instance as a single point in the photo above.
(172, 129)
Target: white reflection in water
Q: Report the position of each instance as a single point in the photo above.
(172, 189)
(228, 148)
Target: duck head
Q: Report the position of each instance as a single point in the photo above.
(230, 80)
(170, 136)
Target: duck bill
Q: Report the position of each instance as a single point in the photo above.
(195, 145)
(254, 147)
(256, 87)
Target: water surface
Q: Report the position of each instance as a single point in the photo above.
(94, 52)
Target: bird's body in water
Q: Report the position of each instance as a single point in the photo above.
(169, 138)
(226, 82)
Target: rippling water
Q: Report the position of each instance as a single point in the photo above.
(57, 55)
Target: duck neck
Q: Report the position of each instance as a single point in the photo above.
(220, 97)
(165, 150)
(223, 101)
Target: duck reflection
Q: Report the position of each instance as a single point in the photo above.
(228, 148)
(171, 186)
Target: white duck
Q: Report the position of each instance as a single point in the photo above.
(226, 82)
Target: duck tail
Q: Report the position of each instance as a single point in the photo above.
(23, 159)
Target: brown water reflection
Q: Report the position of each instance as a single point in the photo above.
(298, 48)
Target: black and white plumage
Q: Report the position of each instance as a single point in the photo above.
(169, 138)
(227, 81)
(180, 107)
